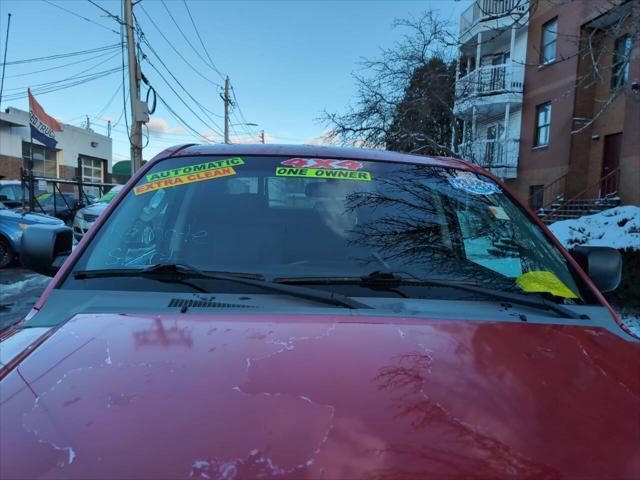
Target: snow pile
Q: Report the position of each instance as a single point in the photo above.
(617, 227)
(632, 322)
(32, 281)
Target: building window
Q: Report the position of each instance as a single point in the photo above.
(549, 41)
(44, 160)
(92, 173)
(543, 124)
(620, 62)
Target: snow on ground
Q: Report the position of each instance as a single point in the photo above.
(13, 289)
(617, 227)
(632, 322)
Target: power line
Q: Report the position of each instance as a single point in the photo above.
(204, 122)
(144, 40)
(180, 54)
(109, 102)
(187, 40)
(109, 14)
(80, 16)
(54, 88)
(77, 75)
(64, 55)
(59, 66)
(202, 42)
(181, 120)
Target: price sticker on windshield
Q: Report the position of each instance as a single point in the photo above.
(323, 168)
(469, 182)
(189, 174)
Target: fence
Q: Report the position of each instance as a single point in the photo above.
(50, 199)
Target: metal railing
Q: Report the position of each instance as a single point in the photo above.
(491, 79)
(488, 153)
(482, 10)
(551, 193)
(605, 188)
(64, 203)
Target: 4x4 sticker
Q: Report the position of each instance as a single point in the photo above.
(188, 174)
(470, 183)
(323, 168)
(323, 163)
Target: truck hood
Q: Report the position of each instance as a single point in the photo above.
(310, 396)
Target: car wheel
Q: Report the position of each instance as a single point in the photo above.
(6, 253)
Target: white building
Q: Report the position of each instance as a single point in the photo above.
(74, 145)
(489, 84)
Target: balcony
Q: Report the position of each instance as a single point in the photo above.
(496, 84)
(496, 14)
(498, 156)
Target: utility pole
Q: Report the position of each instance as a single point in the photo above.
(4, 60)
(262, 136)
(139, 110)
(226, 110)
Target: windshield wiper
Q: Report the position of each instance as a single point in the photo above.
(383, 280)
(178, 273)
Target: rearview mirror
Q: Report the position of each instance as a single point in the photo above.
(44, 248)
(602, 264)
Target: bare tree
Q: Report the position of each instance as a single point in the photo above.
(377, 117)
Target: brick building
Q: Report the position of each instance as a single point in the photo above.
(565, 91)
(74, 144)
(578, 109)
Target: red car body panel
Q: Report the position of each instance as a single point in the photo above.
(319, 396)
(244, 396)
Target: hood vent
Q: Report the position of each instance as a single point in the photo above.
(182, 302)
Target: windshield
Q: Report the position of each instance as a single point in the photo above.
(303, 217)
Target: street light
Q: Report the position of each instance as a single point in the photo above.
(248, 124)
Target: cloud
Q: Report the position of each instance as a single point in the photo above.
(161, 126)
(323, 139)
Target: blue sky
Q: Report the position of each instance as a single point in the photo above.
(287, 61)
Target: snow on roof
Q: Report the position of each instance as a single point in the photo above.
(617, 227)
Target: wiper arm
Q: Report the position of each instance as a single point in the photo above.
(389, 281)
(177, 273)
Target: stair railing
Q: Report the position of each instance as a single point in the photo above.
(605, 187)
(543, 199)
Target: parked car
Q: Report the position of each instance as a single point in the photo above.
(60, 205)
(12, 225)
(85, 217)
(314, 312)
(12, 193)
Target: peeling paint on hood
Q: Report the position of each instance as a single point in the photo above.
(261, 396)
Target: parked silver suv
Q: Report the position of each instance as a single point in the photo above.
(86, 216)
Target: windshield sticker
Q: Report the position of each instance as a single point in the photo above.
(544, 282)
(323, 173)
(323, 163)
(200, 167)
(499, 213)
(184, 179)
(468, 182)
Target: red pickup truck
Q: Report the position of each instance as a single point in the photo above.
(313, 312)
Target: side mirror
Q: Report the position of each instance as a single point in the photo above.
(602, 264)
(44, 248)
(3, 198)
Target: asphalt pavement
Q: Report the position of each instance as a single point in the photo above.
(19, 291)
